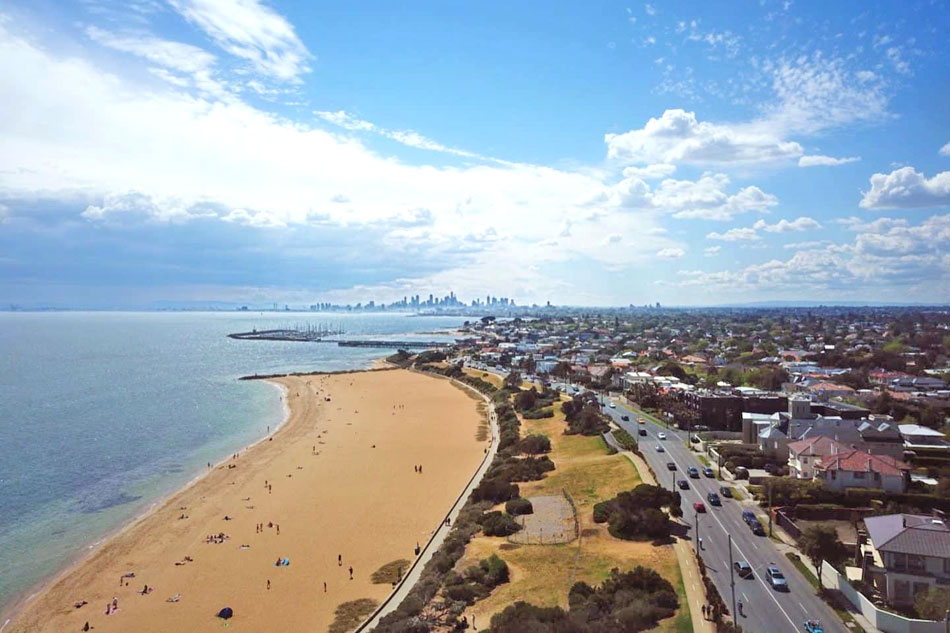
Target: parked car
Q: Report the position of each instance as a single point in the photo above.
(625, 418)
(683, 484)
(699, 506)
(776, 578)
(708, 472)
(661, 435)
(659, 448)
(748, 515)
(743, 568)
(670, 466)
(725, 491)
(757, 528)
(693, 473)
(713, 499)
(643, 432)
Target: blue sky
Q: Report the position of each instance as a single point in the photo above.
(583, 153)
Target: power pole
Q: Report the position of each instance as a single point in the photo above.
(770, 508)
(697, 532)
(732, 584)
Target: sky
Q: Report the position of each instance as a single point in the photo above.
(603, 153)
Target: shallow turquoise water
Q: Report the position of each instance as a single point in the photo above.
(104, 413)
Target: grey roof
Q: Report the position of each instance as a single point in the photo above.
(909, 534)
(772, 433)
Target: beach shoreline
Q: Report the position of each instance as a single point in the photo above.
(18, 610)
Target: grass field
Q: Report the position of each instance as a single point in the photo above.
(484, 375)
(543, 575)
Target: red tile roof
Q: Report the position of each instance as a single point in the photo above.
(858, 461)
(819, 446)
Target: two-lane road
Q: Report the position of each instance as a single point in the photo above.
(764, 610)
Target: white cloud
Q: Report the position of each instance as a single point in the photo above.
(406, 137)
(735, 235)
(806, 245)
(803, 223)
(670, 253)
(905, 188)
(653, 172)
(678, 137)
(711, 251)
(825, 161)
(178, 56)
(649, 9)
(251, 31)
(945, 150)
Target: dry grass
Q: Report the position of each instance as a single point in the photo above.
(543, 575)
(484, 375)
(390, 572)
(349, 614)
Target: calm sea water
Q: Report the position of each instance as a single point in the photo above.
(104, 413)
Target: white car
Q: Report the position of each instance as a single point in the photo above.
(659, 448)
(661, 435)
(613, 406)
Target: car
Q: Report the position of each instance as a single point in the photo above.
(776, 578)
(643, 432)
(670, 466)
(748, 515)
(613, 406)
(692, 472)
(757, 528)
(726, 492)
(683, 484)
(659, 448)
(640, 420)
(743, 568)
(814, 626)
(699, 506)
(661, 435)
(708, 472)
(713, 499)
(625, 418)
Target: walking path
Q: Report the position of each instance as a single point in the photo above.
(689, 568)
(438, 536)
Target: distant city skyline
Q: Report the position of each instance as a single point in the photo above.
(176, 151)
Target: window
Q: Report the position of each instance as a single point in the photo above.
(946, 566)
(834, 475)
(859, 475)
(898, 562)
(804, 460)
(916, 563)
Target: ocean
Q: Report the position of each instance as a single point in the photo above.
(102, 414)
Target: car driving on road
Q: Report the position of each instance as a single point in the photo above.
(625, 418)
(659, 448)
(683, 484)
(725, 491)
(743, 568)
(670, 466)
(643, 432)
(708, 472)
(713, 499)
(776, 578)
(693, 473)
(699, 506)
(661, 435)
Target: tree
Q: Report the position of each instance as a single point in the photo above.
(513, 381)
(820, 543)
(933, 604)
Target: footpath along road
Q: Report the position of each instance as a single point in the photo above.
(765, 610)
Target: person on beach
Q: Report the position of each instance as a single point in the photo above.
(324, 586)
(351, 572)
(339, 560)
(278, 529)
(86, 627)
(268, 584)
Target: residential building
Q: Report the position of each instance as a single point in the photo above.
(906, 554)
(803, 455)
(858, 469)
(918, 437)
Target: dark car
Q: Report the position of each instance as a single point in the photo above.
(726, 491)
(748, 515)
(625, 418)
(683, 484)
(713, 499)
(757, 528)
(708, 472)
(670, 466)
(743, 568)
(693, 473)
(643, 432)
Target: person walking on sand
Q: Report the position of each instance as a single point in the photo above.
(268, 584)
(339, 560)
(351, 572)
(324, 586)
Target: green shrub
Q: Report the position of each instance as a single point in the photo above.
(498, 524)
(518, 506)
(534, 444)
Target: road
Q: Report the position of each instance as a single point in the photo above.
(764, 609)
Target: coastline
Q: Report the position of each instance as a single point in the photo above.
(29, 603)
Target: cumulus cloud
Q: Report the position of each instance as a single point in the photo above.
(679, 137)
(945, 150)
(651, 172)
(670, 253)
(735, 235)
(252, 31)
(784, 226)
(825, 161)
(711, 251)
(906, 188)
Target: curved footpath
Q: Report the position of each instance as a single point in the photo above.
(438, 536)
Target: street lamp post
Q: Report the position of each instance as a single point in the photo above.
(697, 532)
(732, 583)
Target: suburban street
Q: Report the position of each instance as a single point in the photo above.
(764, 609)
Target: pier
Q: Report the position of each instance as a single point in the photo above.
(315, 336)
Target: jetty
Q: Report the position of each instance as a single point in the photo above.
(316, 336)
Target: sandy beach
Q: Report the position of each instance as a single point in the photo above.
(335, 487)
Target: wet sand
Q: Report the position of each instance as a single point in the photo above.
(330, 492)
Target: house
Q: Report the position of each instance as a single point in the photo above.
(803, 455)
(905, 555)
(858, 469)
(916, 383)
(922, 437)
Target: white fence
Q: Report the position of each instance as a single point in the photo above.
(883, 620)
